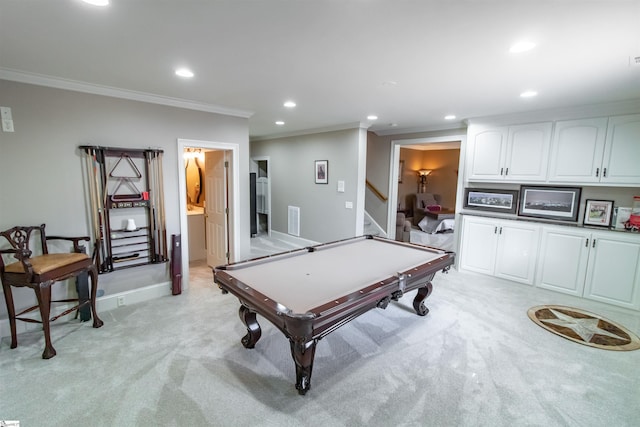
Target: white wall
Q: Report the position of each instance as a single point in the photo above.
(41, 168)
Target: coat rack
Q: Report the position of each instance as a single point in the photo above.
(126, 200)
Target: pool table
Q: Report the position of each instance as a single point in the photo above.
(308, 293)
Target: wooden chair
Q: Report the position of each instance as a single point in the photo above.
(39, 272)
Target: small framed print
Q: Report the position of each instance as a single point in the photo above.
(322, 171)
(598, 212)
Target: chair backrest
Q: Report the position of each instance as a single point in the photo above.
(425, 199)
(20, 239)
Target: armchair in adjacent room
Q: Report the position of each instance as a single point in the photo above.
(39, 271)
(403, 228)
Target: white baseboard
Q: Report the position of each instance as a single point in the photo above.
(104, 303)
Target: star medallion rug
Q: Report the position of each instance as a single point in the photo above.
(583, 327)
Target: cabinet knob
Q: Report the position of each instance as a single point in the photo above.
(597, 172)
(593, 244)
(501, 171)
(586, 244)
(604, 172)
(495, 230)
(506, 172)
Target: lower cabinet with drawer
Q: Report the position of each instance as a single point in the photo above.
(599, 265)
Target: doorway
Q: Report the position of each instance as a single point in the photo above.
(220, 208)
(261, 167)
(445, 142)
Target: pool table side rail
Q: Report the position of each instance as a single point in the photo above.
(321, 320)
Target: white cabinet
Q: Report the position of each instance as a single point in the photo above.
(577, 149)
(597, 150)
(562, 264)
(501, 248)
(613, 272)
(621, 161)
(514, 153)
(598, 265)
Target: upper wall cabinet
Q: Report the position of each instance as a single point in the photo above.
(514, 153)
(577, 149)
(621, 161)
(589, 151)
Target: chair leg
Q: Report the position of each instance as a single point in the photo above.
(43, 292)
(93, 274)
(11, 311)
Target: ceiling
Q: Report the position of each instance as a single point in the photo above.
(409, 62)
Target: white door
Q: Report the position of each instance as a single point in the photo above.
(577, 150)
(613, 273)
(216, 211)
(517, 251)
(479, 238)
(562, 265)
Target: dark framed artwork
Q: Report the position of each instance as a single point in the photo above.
(322, 171)
(488, 199)
(400, 171)
(559, 203)
(598, 212)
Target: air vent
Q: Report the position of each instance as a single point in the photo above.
(294, 220)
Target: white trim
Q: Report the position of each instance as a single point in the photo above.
(345, 126)
(104, 303)
(298, 241)
(78, 86)
(234, 240)
(362, 178)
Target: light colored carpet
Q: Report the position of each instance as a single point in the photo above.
(475, 360)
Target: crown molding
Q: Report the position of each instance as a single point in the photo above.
(344, 126)
(78, 86)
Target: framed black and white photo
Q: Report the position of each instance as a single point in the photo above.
(559, 203)
(322, 171)
(598, 212)
(485, 199)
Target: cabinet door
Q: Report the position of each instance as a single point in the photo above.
(528, 152)
(487, 154)
(479, 239)
(613, 272)
(577, 148)
(517, 251)
(622, 151)
(562, 264)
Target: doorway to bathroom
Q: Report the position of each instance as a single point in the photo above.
(208, 199)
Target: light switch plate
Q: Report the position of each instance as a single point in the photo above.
(5, 113)
(7, 125)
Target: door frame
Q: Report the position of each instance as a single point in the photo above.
(393, 176)
(254, 162)
(234, 198)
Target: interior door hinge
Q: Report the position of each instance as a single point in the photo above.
(226, 164)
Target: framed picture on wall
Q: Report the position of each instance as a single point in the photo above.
(559, 203)
(322, 171)
(598, 212)
(400, 171)
(486, 199)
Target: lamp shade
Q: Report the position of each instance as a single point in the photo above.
(424, 172)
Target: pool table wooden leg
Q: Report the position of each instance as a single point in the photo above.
(254, 332)
(418, 301)
(303, 354)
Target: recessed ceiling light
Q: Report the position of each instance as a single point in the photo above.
(289, 104)
(522, 46)
(184, 72)
(528, 94)
(97, 2)
(449, 117)
(372, 117)
(280, 123)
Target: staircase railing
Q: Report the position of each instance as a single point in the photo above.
(375, 191)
